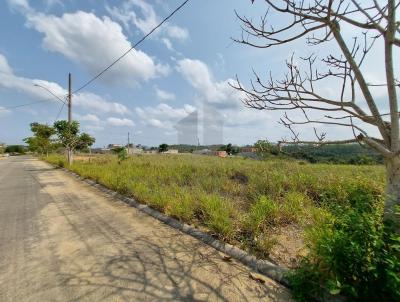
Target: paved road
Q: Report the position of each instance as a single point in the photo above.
(62, 240)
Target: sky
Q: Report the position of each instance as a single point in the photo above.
(182, 70)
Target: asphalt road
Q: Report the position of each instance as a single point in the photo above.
(62, 240)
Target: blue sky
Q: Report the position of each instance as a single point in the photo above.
(184, 66)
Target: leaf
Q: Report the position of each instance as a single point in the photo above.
(334, 291)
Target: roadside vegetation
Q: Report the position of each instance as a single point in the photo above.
(335, 210)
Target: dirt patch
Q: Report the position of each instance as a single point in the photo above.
(289, 247)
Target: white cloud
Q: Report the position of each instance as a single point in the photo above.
(88, 118)
(4, 67)
(19, 5)
(86, 100)
(4, 111)
(129, 14)
(167, 42)
(163, 115)
(93, 43)
(118, 122)
(50, 3)
(177, 32)
(164, 95)
(97, 103)
(199, 76)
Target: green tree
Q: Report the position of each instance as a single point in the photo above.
(15, 149)
(163, 148)
(68, 135)
(41, 140)
(231, 150)
(85, 142)
(265, 148)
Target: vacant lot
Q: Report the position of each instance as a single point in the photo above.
(261, 206)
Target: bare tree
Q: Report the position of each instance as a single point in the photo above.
(319, 22)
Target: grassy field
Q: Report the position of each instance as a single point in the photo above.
(261, 206)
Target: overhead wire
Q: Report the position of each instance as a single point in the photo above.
(27, 104)
(130, 49)
(59, 112)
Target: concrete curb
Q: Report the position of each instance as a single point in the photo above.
(263, 267)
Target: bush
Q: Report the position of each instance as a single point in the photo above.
(352, 253)
(15, 149)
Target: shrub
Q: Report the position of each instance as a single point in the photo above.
(352, 254)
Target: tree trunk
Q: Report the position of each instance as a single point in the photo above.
(393, 191)
(70, 156)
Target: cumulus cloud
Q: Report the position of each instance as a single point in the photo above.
(26, 86)
(164, 95)
(97, 103)
(142, 16)
(163, 115)
(4, 67)
(200, 77)
(88, 118)
(92, 42)
(95, 42)
(177, 32)
(120, 122)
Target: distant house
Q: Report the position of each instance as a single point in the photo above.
(134, 150)
(220, 153)
(211, 152)
(114, 146)
(248, 150)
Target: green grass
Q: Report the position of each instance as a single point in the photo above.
(239, 200)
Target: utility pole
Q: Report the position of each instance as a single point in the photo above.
(69, 148)
(128, 143)
(69, 99)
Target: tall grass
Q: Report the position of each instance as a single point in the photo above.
(234, 198)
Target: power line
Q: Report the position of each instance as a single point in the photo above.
(27, 104)
(130, 49)
(59, 112)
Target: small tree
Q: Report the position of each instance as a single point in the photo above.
(163, 148)
(41, 140)
(265, 148)
(68, 135)
(321, 22)
(85, 142)
(231, 150)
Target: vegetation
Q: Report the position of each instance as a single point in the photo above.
(15, 149)
(41, 141)
(353, 154)
(231, 150)
(339, 209)
(68, 135)
(163, 148)
(301, 88)
(121, 153)
(351, 253)
(238, 199)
